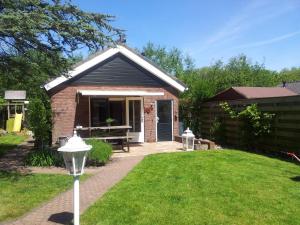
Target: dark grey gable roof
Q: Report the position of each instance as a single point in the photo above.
(143, 64)
(293, 86)
(118, 70)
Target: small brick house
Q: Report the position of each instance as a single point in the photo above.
(119, 84)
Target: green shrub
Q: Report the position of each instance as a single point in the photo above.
(46, 157)
(218, 131)
(38, 121)
(100, 152)
(255, 124)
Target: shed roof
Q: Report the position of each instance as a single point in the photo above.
(252, 92)
(15, 95)
(293, 86)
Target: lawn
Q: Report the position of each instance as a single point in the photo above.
(203, 187)
(20, 193)
(10, 141)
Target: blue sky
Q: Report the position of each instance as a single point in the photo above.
(268, 31)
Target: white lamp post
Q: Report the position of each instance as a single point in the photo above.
(188, 139)
(74, 153)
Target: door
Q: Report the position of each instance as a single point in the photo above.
(135, 118)
(164, 127)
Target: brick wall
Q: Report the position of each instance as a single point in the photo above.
(68, 110)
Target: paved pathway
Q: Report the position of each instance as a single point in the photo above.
(59, 210)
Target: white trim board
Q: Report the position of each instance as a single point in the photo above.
(107, 54)
(118, 93)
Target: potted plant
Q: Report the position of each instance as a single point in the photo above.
(109, 121)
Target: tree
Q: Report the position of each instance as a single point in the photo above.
(289, 75)
(173, 60)
(53, 28)
(38, 41)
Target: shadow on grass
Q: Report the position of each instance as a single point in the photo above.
(281, 155)
(296, 178)
(12, 176)
(6, 147)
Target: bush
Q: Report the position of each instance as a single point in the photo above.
(43, 158)
(100, 152)
(255, 124)
(218, 131)
(38, 122)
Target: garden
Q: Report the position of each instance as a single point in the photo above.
(43, 39)
(203, 187)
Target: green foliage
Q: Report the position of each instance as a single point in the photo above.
(54, 28)
(38, 39)
(109, 120)
(289, 75)
(100, 152)
(256, 124)
(173, 60)
(44, 158)
(218, 131)
(38, 121)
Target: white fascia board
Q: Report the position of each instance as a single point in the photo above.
(118, 93)
(55, 82)
(81, 68)
(143, 63)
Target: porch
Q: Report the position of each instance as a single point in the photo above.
(142, 149)
(138, 114)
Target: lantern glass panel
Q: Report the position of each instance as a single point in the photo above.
(75, 162)
(184, 142)
(191, 143)
(79, 162)
(68, 161)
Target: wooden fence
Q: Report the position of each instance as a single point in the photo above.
(286, 129)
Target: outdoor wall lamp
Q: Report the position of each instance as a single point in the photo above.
(74, 153)
(188, 139)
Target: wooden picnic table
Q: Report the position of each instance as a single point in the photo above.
(121, 138)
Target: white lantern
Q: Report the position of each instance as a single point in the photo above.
(188, 139)
(74, 153)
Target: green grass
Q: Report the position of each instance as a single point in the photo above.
(10, 141)
(205, 187)
(20, 193)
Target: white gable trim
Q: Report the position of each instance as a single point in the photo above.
(107, 54)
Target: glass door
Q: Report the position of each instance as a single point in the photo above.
(135, 118)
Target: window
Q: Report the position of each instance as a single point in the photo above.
(103, 108)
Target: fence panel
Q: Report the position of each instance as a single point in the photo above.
(286, 134)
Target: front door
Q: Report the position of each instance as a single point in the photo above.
(164, 120)
(135, 118)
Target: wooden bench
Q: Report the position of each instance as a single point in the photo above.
(119, 138)
(109, 133)
(210, 144)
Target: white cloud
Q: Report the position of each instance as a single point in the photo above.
(268, 41)
(253, 14)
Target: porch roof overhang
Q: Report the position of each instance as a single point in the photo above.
(119, 93)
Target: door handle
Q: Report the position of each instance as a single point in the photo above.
(157, 119)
